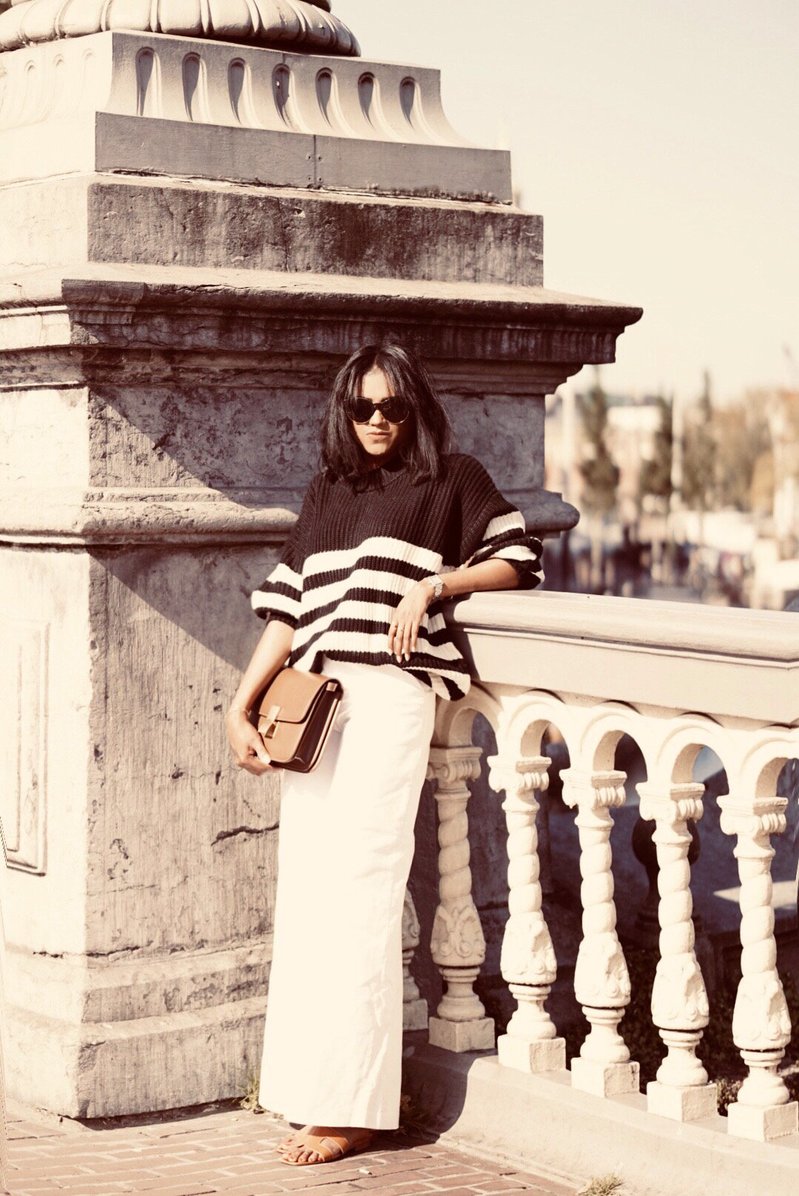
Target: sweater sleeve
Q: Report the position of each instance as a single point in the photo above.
(279, 596)
(492, 527)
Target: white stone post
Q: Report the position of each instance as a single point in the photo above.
(679, 1000)
(601, 981)
(528, 959)
(414, 1008)
(457, 942)
(761, 1026)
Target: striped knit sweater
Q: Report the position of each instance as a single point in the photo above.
(353, 554)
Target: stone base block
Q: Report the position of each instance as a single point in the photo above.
(113, 1069)
(763, 1125)
(415, 1015)
(604, 1079)
(681, 1104)
(476, 1035)
(133, 1037)
(548, 1055)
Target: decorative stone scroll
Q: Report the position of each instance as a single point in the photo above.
(304, 25)
(528, 958)
(601, 980)
(457, 942)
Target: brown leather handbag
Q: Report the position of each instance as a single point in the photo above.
(294, 715)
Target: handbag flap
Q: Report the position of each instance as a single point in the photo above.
(294, 691)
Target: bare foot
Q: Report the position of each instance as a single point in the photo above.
(324, 1144)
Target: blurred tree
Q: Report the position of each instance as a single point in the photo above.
(761, 491)
(599, 472)
(699, 453)
(655, 476)
(742, 437)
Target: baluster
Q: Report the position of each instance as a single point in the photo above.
(761, 1026)
(457, 942)
(601, 981)
(679, 1000)
(528, 959)
(414, 1007)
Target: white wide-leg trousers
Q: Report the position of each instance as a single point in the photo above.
(333, 1036)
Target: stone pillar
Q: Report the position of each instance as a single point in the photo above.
(761, 1023)
(196, 232)
(601, 980)
(528, 959)
(457, 943)
(679, 1000)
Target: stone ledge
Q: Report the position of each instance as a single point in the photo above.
(53, 516)
(474, 1103)
(50, 516)
(84, 989)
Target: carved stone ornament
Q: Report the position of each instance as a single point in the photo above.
(679, 998)
(600, 975)
(528, 956)
(457, 936)
(303, 25)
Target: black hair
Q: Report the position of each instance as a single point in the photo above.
(428, 439)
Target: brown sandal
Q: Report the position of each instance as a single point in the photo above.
(331, 1147)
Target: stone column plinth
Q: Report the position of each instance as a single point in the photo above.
(195, 235)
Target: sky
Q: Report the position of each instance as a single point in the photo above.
(659, 139)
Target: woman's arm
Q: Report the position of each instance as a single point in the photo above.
(271, 653)
(493, 574)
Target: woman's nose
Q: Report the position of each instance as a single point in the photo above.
(377, 418)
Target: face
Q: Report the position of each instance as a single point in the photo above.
(379, 438)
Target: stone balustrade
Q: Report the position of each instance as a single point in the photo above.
(676, 679)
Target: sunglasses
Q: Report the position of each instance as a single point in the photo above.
(395, 409)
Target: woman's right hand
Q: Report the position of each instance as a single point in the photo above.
(248, 746)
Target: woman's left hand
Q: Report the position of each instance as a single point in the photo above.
(406, 621)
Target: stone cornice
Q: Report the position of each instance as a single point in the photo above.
(167, 309)
(149, 103)
(306, 25)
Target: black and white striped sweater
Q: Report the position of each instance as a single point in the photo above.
(353, 554)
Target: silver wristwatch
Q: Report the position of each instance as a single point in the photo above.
(437, 583)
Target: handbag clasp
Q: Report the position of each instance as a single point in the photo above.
(271, 718)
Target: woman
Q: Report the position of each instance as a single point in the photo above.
(391, 526)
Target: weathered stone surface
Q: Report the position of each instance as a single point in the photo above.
(107, 219)
(139, 939)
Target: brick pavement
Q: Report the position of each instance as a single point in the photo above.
(224, 1149)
